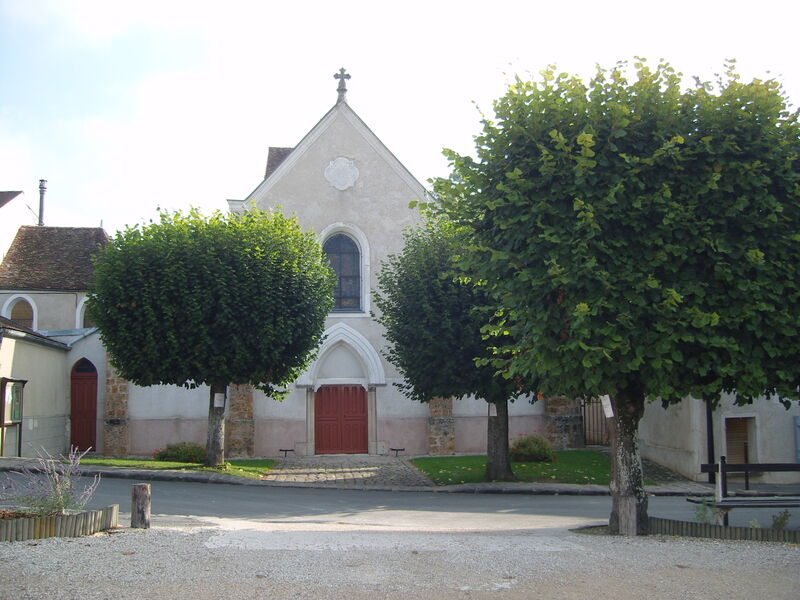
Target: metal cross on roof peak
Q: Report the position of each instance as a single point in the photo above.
(342, 75)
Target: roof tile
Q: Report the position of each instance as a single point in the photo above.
(51, 258)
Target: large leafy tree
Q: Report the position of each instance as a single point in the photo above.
(644, 239)
(228, 299)
(434, 324)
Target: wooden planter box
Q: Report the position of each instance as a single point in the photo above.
(36, 528)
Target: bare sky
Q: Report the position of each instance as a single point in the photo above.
(124, 106)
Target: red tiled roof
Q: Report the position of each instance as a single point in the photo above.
(51, 258)
(275, 157)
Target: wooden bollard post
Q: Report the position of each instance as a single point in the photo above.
(140, 506)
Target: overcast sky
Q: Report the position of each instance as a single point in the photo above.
(124, 106)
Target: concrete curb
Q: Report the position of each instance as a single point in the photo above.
(534, 489)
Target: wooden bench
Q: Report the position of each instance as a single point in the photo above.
(724, 503)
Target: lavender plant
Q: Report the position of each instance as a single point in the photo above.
(50, 488)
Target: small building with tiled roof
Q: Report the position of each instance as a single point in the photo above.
(46, 340)
(46, 274)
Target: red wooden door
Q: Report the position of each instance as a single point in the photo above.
(83, 414)
(340, 419)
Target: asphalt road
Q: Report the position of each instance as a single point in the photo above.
(435, 510)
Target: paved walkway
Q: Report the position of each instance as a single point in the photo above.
(343, 470)
(386, 473)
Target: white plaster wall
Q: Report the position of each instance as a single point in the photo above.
(167, 402)
(341, 362)
(46, 395)
(774, 433)
(477, 407)
(55, 310)
(293, 406)
(393, 404)
(675, 436)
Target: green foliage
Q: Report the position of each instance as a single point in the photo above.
(639, 236)
(52, 488)
(433, 320)
(182, 452)
(226, 299)
(704, 513)
(780, 520)
(532, 448)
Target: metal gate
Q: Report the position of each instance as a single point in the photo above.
(595, 424)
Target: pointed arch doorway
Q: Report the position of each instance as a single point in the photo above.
(83, 405)
(341, 396)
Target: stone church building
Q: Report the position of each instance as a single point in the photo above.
(341, 182)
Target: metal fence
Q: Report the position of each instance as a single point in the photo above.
(595, 427)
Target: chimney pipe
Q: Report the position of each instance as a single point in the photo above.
(42, 190)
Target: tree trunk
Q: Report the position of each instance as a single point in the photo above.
(629, 501)
(215, 444)
(498, 465)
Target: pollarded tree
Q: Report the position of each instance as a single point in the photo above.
(645, 240)
(433, 324)
(229, 299)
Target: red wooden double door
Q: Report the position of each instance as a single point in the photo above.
(340, 419)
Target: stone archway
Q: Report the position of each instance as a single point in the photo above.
(346, 362)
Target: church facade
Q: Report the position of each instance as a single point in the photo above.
(341, 182)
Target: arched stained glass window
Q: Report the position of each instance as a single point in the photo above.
(343, 254)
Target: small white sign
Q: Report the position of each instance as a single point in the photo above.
(607, 408)
(492, 409)
(219, 400)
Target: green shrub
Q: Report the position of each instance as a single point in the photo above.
(532, 448)
(182, 452)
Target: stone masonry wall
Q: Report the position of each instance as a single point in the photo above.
(240, 426)
(441, 427)
(116, 438)
(563, 422)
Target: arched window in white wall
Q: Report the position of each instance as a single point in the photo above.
(22, 309)
(82, 320)
(346, 247)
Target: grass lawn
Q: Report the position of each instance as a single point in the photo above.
(240, 467)
(570, 466)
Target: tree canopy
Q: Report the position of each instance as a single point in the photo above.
(642, 239)
(434, 322)
(227, 299)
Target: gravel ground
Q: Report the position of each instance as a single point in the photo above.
(231, 559)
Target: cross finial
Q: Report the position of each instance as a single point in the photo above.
(342, 89)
